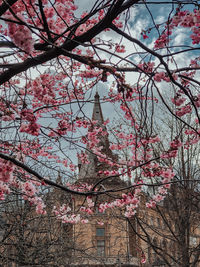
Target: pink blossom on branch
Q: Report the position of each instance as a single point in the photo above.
(31, 128)
(6, 171)
(21, 35)
(120, 48)
(40, 108)
(184, 110)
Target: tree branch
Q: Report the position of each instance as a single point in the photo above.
(68, 45)
(6, 5)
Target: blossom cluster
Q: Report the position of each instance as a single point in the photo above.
(146, 67)
(65, 214)
(130, 201)
(6, 171)
(20, 35)
(184, 19)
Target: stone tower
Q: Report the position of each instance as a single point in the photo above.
(105, 240)
(90, 171)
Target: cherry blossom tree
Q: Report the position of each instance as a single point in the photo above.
(53, 54)
(170, 230)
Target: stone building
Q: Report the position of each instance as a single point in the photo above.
(106, 240)
(157, 235)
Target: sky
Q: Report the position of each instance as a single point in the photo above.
(141, 19)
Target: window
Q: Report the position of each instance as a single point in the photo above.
(158, 222)
(100, 239)
(155, 243)
(100, 232)
(100, 248)
(164, 244)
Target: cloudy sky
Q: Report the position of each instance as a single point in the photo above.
(141, 19)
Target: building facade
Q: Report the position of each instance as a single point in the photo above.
(157, 237)
(161, 236)
(106, 240)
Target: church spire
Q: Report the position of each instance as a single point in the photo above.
(97, 112)
(91, 169)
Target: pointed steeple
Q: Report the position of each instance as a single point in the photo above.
(90, 170)
(97, 112)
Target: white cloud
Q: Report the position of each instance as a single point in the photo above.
(181, 35)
